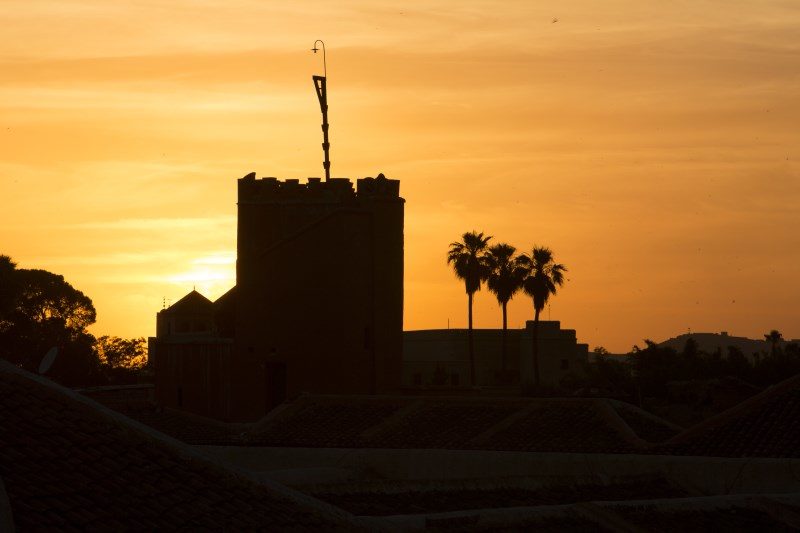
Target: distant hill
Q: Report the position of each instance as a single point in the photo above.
(709, 342)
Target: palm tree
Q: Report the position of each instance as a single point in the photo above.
(543, 276)
(773, 337)
(468, 258)
(504, 280)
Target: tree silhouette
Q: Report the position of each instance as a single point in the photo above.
(39, 310)
(504, 279)
(8, 289)
(773, 337)
(468, 259)
(117, 352)
(543, 276)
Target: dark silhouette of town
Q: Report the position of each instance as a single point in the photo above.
(297, 401)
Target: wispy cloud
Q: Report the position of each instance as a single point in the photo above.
(158, 224)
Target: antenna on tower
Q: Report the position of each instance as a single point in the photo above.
(322, 94)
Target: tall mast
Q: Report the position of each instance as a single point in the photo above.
(322, 94)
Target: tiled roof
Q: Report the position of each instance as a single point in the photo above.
(191, 429)
(324, 422)
(733, 518)
(136, 402)
(739, 513)
(581, 425)
(69, 463)
(766, 425)
(646, 425)
(449, 424)
(387, 501)
(570, 426)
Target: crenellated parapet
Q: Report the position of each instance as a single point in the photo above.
(337, 190)
(379, 186)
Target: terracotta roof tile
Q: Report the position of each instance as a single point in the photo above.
(324, 422)
(562, 426)
(646, 425)
(766, 425)
(511, 424)
(734, 518)
(385, 500)
(66, 462)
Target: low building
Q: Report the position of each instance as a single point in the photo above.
(439, 358)
(191, 356)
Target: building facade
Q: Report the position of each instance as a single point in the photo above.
(439, 358)
(191, 356)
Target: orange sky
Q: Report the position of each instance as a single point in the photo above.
(652, 145)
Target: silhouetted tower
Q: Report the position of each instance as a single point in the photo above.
(319, 280)
(320, 84)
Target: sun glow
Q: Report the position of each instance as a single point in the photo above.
(658, 160)
(211, 275)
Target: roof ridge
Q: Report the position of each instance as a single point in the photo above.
(187, 298)
(647, 414)
(505, 423)
(737, 410)
(392, 421)
(607, 411)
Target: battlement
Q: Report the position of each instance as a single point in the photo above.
(315, 190)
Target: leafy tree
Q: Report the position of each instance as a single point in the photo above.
(690, 348)
(39, 310)
(613, 372)
(468, 258)
(504, 279)
(736, 364)
(542, 277)
(116, 352)
(124, 361)
(774, 337)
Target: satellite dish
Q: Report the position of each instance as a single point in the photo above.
(48, 360)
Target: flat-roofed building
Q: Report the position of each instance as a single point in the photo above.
(440, 357)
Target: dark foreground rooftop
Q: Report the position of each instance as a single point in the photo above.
(507, 424)
(69, 463)
(766, 425)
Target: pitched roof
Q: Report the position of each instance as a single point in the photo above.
(67, 461)
(766, 425)
(192, 302)
(186, 427)
(582, 425)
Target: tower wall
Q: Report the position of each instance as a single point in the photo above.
(319, 290)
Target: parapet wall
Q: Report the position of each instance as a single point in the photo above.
(336, 190)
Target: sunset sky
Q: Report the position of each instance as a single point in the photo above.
(652, 145)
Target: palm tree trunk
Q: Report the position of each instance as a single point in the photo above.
(471, 346)
(505, 349)
(535, 339)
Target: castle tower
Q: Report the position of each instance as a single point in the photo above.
(319, 278)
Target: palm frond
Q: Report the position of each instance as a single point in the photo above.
(468, 259)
